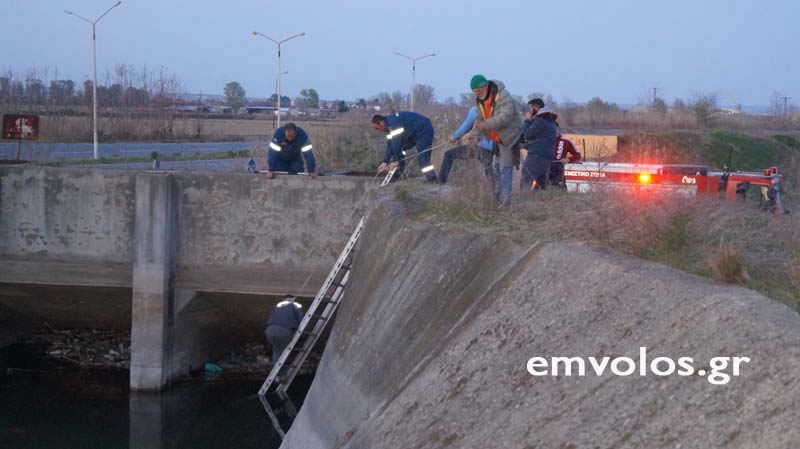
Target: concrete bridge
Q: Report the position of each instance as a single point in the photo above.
(185, 259)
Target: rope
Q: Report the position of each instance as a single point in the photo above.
(358, 205)
(322, 257)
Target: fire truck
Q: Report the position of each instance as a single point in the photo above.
(688, 180)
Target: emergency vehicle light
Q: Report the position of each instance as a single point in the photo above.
(275, 146)
(645, 178)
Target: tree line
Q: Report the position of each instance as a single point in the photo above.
(125, 87)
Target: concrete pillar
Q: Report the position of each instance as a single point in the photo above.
(147, 416)
(153, 281)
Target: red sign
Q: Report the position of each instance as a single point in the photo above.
(20, 127)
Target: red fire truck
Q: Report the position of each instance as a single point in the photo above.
(687, 180)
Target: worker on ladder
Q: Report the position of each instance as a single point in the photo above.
(281, 325)
(404, 130)
(289, 146)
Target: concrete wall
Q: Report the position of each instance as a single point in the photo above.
(235, 232)
(72, 227)
(431, 343)
(242, 233)
(182, 245)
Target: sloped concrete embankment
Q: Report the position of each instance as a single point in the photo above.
(430, 349)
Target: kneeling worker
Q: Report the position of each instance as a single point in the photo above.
(404, 130)
(288, 147)
(281, 325)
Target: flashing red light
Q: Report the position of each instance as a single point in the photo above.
(645, 178)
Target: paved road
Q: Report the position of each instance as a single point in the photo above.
(35, 151)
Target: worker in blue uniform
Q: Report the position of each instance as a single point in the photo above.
(404, 130)
(282, 324)
(289, 146)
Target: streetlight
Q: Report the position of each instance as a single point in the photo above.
(278, 72)
(276, 81)
(279, 109)
(94, 68)
(414, 72)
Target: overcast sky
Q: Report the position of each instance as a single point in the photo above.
(572, 49)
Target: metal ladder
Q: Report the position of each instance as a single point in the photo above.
(317, 316)
(288, 407)
(388, 177)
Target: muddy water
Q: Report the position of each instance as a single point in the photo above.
(45, 404)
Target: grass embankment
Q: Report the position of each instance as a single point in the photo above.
(715, 148)
(731, 242)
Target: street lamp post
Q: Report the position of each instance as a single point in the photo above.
(275, 117)
(414, 72)
(278, 71)
(94, 68)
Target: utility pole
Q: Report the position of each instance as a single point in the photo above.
(786, 106)
(654, 89)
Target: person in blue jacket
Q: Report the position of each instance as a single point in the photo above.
(485, 150)
(281, 325)
(539, 131)
(404, 130)
(288, 147)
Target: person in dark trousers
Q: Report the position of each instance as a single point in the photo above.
(289, 146)
(281, 325)
(539, 131)
(404, 130)
(564, 149)
(484, 151)
(498, 121)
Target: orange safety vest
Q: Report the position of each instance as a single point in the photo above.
(487, 107)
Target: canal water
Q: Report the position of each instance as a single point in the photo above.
(44, 404)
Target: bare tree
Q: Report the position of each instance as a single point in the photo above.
(704, 106)
(776, 107)
(391, 102)
(424, 96)
(678, 105)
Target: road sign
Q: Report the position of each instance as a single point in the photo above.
(20, 127)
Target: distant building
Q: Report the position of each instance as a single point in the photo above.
(729, 111)
(221, 109)
(192, 108)
(267, 110)
(319, 112)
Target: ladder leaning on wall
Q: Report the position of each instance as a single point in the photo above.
(318, 315)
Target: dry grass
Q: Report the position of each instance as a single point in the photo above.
(731, 242)
(672, 120)
(165, 127)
